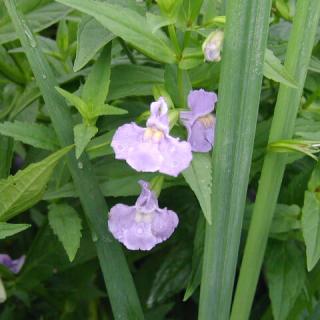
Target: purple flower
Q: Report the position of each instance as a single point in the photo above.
(212, 46)
(200, 122)
(152, 149)
(13, 265)
(142, 226)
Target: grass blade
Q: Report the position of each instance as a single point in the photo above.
(121, 290)
(241, 76)
(298, 57)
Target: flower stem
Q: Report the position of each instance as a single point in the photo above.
(298, 56)
(127, 51)
(174, 39)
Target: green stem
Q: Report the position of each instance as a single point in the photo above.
(239, 94)
(174, 39)
(298, 56)
(121, 291)
(127, 51)
(6, 154)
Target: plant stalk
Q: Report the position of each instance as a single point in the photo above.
(297, 60)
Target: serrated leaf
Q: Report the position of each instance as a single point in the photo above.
(23, 190)
(274, 70)
(199, 178)
(66, 224)
(9, 229)
(311, 228)
(285, 274)
(35, 134)
(130, 26)
(83, 133)
(91, 37)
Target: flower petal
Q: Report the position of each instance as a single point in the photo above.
(176, 155)
(145, 157)
(13, 265)
(201, 102)
(121, 218)
(164, 223)
(159, 115)
(201, 137)
(139, 237)
(125, 140)
(147, 200)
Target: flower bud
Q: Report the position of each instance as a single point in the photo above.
(212, 46)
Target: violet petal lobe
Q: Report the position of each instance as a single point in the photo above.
(201, 102)
(14, 265)
(201, 137)
(159, 115)
(177, 156)
(142, 226)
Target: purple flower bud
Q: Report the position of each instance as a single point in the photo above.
(200, 122)
(212, 46)
(142, 226)
(152, 149)
(13, 265)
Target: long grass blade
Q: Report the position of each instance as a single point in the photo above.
(239, 93)
(121, 290)
(298, 57)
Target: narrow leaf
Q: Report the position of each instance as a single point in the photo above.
(311, 228)
(66, 224)
(96, 87)
(198, 176)
(76, 101)
(129, 25)
(108, 110)
(274, 70)
(35, 134)
(23, 190)
(9, 229)
(83, 133)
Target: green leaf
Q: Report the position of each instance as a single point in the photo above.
(23, 190)
(197, 259)
(9, 229)
(285, 273)
(96, 87)
(66, 224)
(133, 80)
(39, 17)
(191, 57)
(108, 110)
(91, 37)
(77, 102)
(133, 28)
(199, 178)
(83, 133)
(311, 228)
(274, 70)
(37, 135)
(314, 65)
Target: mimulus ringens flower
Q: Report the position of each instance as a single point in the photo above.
(13, 265)
(142, 226)
(212, 46)
(200, 122)
(152, 149)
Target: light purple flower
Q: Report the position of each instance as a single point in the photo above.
(200, 122)
(13, 265)
(142, 226)
(152, 149)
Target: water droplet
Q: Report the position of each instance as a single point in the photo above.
(31, 39)
(44, 76)
(80, 165)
